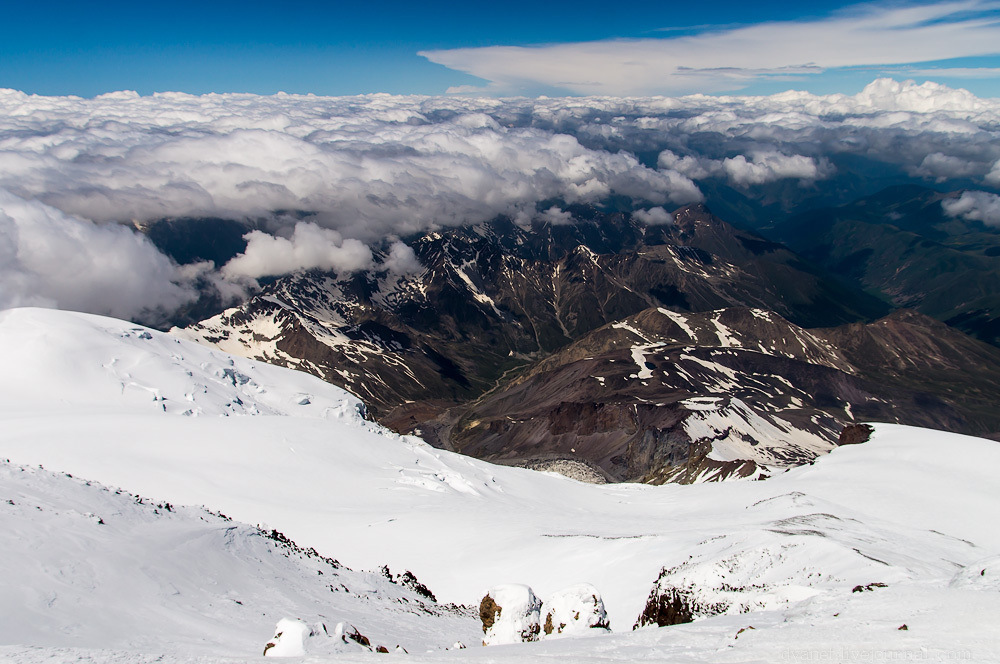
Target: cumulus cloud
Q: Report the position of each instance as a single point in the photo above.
(690, 166)
(401, 260)
(730, 59)
(993, 177)
(309, 247)
(379, 165)
(51, 259)
(974, 205)
(556, 216)
(770, 166)
(655, 216)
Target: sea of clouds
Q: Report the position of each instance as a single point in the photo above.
(325, 179)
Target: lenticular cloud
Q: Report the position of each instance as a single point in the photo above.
(328, 177)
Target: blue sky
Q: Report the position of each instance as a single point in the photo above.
(515, 47)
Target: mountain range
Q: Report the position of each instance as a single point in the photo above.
(686, 351)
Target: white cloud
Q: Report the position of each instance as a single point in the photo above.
(954, 72)
(556, 216)
(723, 60)
(993, 177)
(942, 167)
(51, 259)
(368, 166)
(975, 205)
(762, 167)
(655, 216)
(378, 166)
(401, 260)
(690, 166)
(766, 167)
(886, 94)
(309, 247)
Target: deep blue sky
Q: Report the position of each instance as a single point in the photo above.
(333, 48)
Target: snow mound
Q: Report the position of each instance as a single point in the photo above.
(294, 637)
(510, 614)
(574, 611)
(290, 636)
(979, 575)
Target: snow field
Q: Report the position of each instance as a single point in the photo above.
(913, 509)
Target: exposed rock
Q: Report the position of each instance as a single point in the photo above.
(357, 637)
(575, 470)
(667, 606)
(868, 587)
(583, 343)
(855, 434)
(408, 580)
(489, 612)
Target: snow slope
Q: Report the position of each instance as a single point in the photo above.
(65, 362)
(99, 568)
(911, 508)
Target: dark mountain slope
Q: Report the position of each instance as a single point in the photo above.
(496, 296)
(664, 396)
(901, 245)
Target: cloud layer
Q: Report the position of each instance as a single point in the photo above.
(366, 166)
(326, 179)
(727, 60)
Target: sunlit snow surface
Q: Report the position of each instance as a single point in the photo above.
(106, 401)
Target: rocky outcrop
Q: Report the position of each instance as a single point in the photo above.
(855, 434)
(736, 393)
(667, 606)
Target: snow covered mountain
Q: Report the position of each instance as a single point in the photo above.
(800, 557)
(506, 343)
(481, 300)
